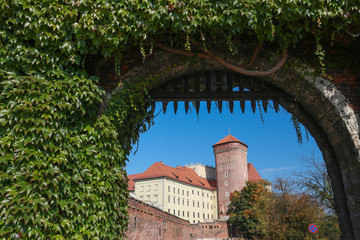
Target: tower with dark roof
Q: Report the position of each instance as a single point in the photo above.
(231, 170)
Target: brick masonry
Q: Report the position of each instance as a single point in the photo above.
(148, 222)
(231, 171)
(348, 82)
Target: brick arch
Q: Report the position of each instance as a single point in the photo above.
(321, 107)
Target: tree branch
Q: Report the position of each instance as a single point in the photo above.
(240, 69)
(256, 52)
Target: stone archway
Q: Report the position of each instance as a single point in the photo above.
(320, 106)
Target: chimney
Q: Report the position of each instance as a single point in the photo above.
(178, 167)
(161, 162)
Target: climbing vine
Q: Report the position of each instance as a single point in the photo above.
(61, 163)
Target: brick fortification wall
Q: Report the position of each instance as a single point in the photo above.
(348, 81)
(150, 223)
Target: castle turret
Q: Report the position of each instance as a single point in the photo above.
(231, 170)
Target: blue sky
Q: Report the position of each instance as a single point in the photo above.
(186, 138)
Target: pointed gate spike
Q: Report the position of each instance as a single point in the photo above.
(265, 104)
(231, 106)
(253, 105)
(164, 106)
(276, 105)
(220, 106)
(175, 106)
(197, 106)
(186, 106)
(242, 105)
(153, 104)
(208, 105)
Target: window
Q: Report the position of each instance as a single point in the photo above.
(194, 215)
(155, 198)
(207, 195)
(183, 201)
(211, 197)
(208, 216)
(227, 194)
(178, 190)
(198, 215)
(188, 214)
(226, 174)
(179, 213)
(203, 215)
(198, 204)
(207, 205)
(193, 203)
(188, 202)
(155, 187)
(174, 200)
(179, 201)
(192, 191)
(203, 205)
(183, 192)
(168, 188)
(183, 213)
(141, 188)
(168, 198)
(141, 196)
(174, 212)
(228, 166)
(148, 197)
(149, 188)
(212, 217)
(187, 193)
(220, 166)
(203, 194)
(169, 210)
(198, 193)
(226, 183)
(174, 190)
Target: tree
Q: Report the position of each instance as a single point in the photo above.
(316, 181)
(243, 214)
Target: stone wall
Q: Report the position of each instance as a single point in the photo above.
(148, 222)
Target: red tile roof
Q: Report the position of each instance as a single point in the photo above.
(182, 174)
(253, 175)
(229, 138)
(131, 183)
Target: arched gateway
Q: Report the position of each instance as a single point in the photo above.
(318, 104)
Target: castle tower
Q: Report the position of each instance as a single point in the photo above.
(231, 170)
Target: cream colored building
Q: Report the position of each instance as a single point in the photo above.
(196, 192)
(179, 191)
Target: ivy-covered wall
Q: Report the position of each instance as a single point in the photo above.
(61, 160)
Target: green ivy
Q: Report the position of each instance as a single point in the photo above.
(62, 165)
